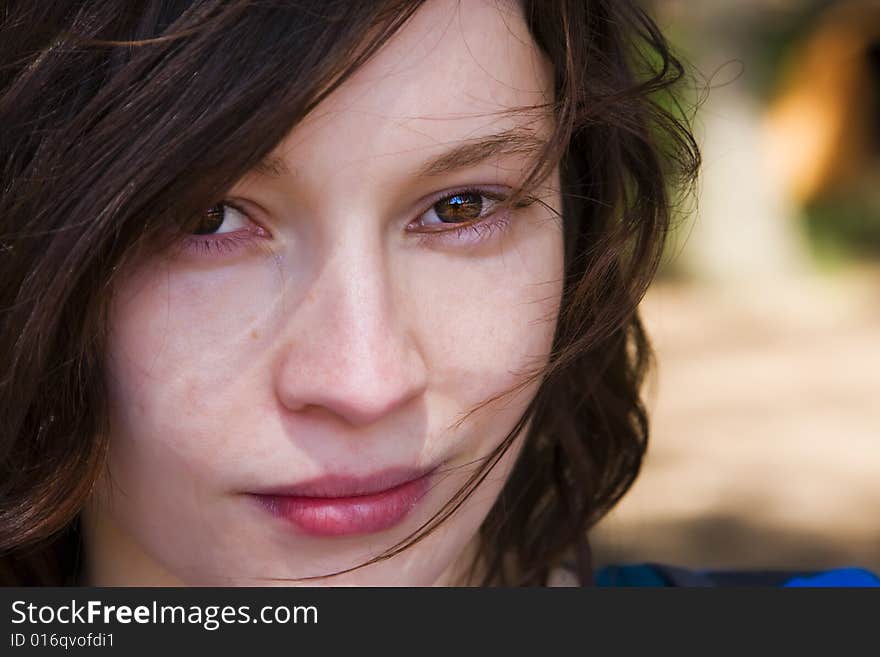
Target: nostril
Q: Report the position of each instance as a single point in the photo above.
(359, 390)
(350, 406)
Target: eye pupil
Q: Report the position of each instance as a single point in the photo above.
(460, 207)
(211, 220)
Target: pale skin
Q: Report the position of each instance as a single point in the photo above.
(338, 335)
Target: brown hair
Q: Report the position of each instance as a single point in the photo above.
(114, 119)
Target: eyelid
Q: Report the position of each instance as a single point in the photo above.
(496, 193)
(467, 234)
(225, 207)
(215, 244)
(244, 207)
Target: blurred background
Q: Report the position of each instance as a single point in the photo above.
(765, 449)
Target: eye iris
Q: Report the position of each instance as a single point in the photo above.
(211, 221)
(460, 207)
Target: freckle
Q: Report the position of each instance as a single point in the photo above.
(254, 335)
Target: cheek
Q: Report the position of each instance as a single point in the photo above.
(487, 325)
(178, 345)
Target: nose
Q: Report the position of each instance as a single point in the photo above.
(351, 351)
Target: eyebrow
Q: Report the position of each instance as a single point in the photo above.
(272, 166)
(515, 141)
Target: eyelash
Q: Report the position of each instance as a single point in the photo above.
(473, 232)
(218, 245)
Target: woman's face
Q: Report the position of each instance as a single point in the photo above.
(285, 384)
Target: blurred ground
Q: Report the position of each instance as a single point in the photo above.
(765, 450)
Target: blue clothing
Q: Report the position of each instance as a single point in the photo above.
(649, 574)
(850, 577)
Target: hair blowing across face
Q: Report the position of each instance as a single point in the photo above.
(122, 120)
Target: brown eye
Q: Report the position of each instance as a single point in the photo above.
(221, 218)
(459, 207)
(466, 207)
(210, 221)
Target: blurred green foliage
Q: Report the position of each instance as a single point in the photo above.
(845, 225)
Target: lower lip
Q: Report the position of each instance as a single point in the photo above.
(347, 516)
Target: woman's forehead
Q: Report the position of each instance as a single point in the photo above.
(457, 72)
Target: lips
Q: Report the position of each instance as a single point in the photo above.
(347, 506)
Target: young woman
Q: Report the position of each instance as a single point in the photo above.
(329, 292)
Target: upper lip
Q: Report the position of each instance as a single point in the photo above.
(341, 485)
